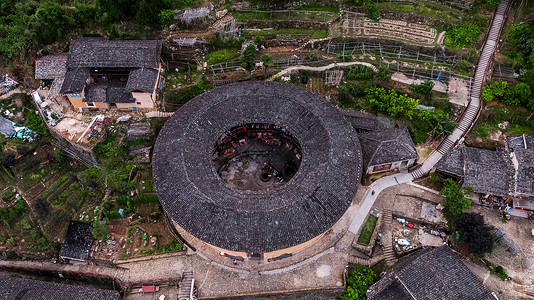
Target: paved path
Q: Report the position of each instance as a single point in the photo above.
(322, 68)
(459, 132)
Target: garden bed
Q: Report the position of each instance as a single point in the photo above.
(367, 231)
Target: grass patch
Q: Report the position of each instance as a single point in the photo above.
(223, 55)
(367, 230)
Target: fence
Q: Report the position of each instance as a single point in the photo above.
(300, 15)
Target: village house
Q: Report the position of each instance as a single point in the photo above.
(432, 274)
(507, 173)
(386, 150)
(105, 74)
(77, 243)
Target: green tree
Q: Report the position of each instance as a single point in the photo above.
(492, 4)
(358, 281)
(373, 13)
(99, 229)
(494, 90)
(384, 73)
(85, 13)
(455, 201)
(267, 61)
(257, 40)
(474, 233)
(52, 21)
(522, 92)
(166, 16)
(249, 57)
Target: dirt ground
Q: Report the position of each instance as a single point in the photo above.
(458, 92)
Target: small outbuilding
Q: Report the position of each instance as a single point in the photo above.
(78, 242)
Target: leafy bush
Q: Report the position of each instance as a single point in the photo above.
(501, 273)
(24, 223)
(222, 55)
(424, 89)
(390, 102)
(140, 198)
(492, 4)
(463, 36)
(384, 73)
(358, 281)
(359, 72)
(373, 13)
(494, 90)
(455, 201)
(166, 16)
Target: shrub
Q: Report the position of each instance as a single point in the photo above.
(24, 223)
(359, 72)
(463, 36)
(455, 201)
(390, 102)
(373, 13)
(425, 88)
(384, 73)
(494, 90)
(358, 281)
(492, 4)
(501, 273)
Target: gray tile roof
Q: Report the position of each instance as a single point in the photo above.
(107, 92)
(12, 288)
(75, 80)
(91, 52)
(487, 172)
(142, 80)
(78, 241)
(387, 146)
(452, 163)
(525, 171)
(50, 66)
(6, 127)
(362, 121)
(200, 202)
(433, 274)
(523, 141)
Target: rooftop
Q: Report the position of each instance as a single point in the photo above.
(525, 171)
(142, 80)
(91, 52)
(78, 241)
(50, 66)
(19, 288)
(362, 121)
(432, 274)
(486, 171)
(452, 163)
(194, 196)
(523, 141)
(387, 146)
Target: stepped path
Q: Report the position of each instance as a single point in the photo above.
(465, 124)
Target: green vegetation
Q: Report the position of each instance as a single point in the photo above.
(462, 36)
(518, 122)
(373, 13)
(289, 32)
(179, 97)
(249, 57)
(455, 201)
(514, 95)
(492, 4)
(474, 233)
(358, 281)
(499, 270)
(424, 89)
(100, 230)
(222, 55)
(390, 102)
(367, 230)
(383, 73)
(359, 72)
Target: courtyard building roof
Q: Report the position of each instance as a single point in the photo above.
(487, 172)
(387, 146)
(525, 171)
(432, 274)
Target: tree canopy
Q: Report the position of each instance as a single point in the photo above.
(358, 281)
(455, 201)
(474, 233)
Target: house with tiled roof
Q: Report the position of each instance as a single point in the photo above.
(78, 242)
(387, 149)
(487, 172)
(433, 274)
(98, 73)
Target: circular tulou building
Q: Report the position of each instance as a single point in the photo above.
(256, 167)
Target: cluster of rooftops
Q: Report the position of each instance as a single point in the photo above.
(505, 172)
(103, 71)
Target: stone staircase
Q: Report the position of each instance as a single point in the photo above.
(185, 285)
(387, 237)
